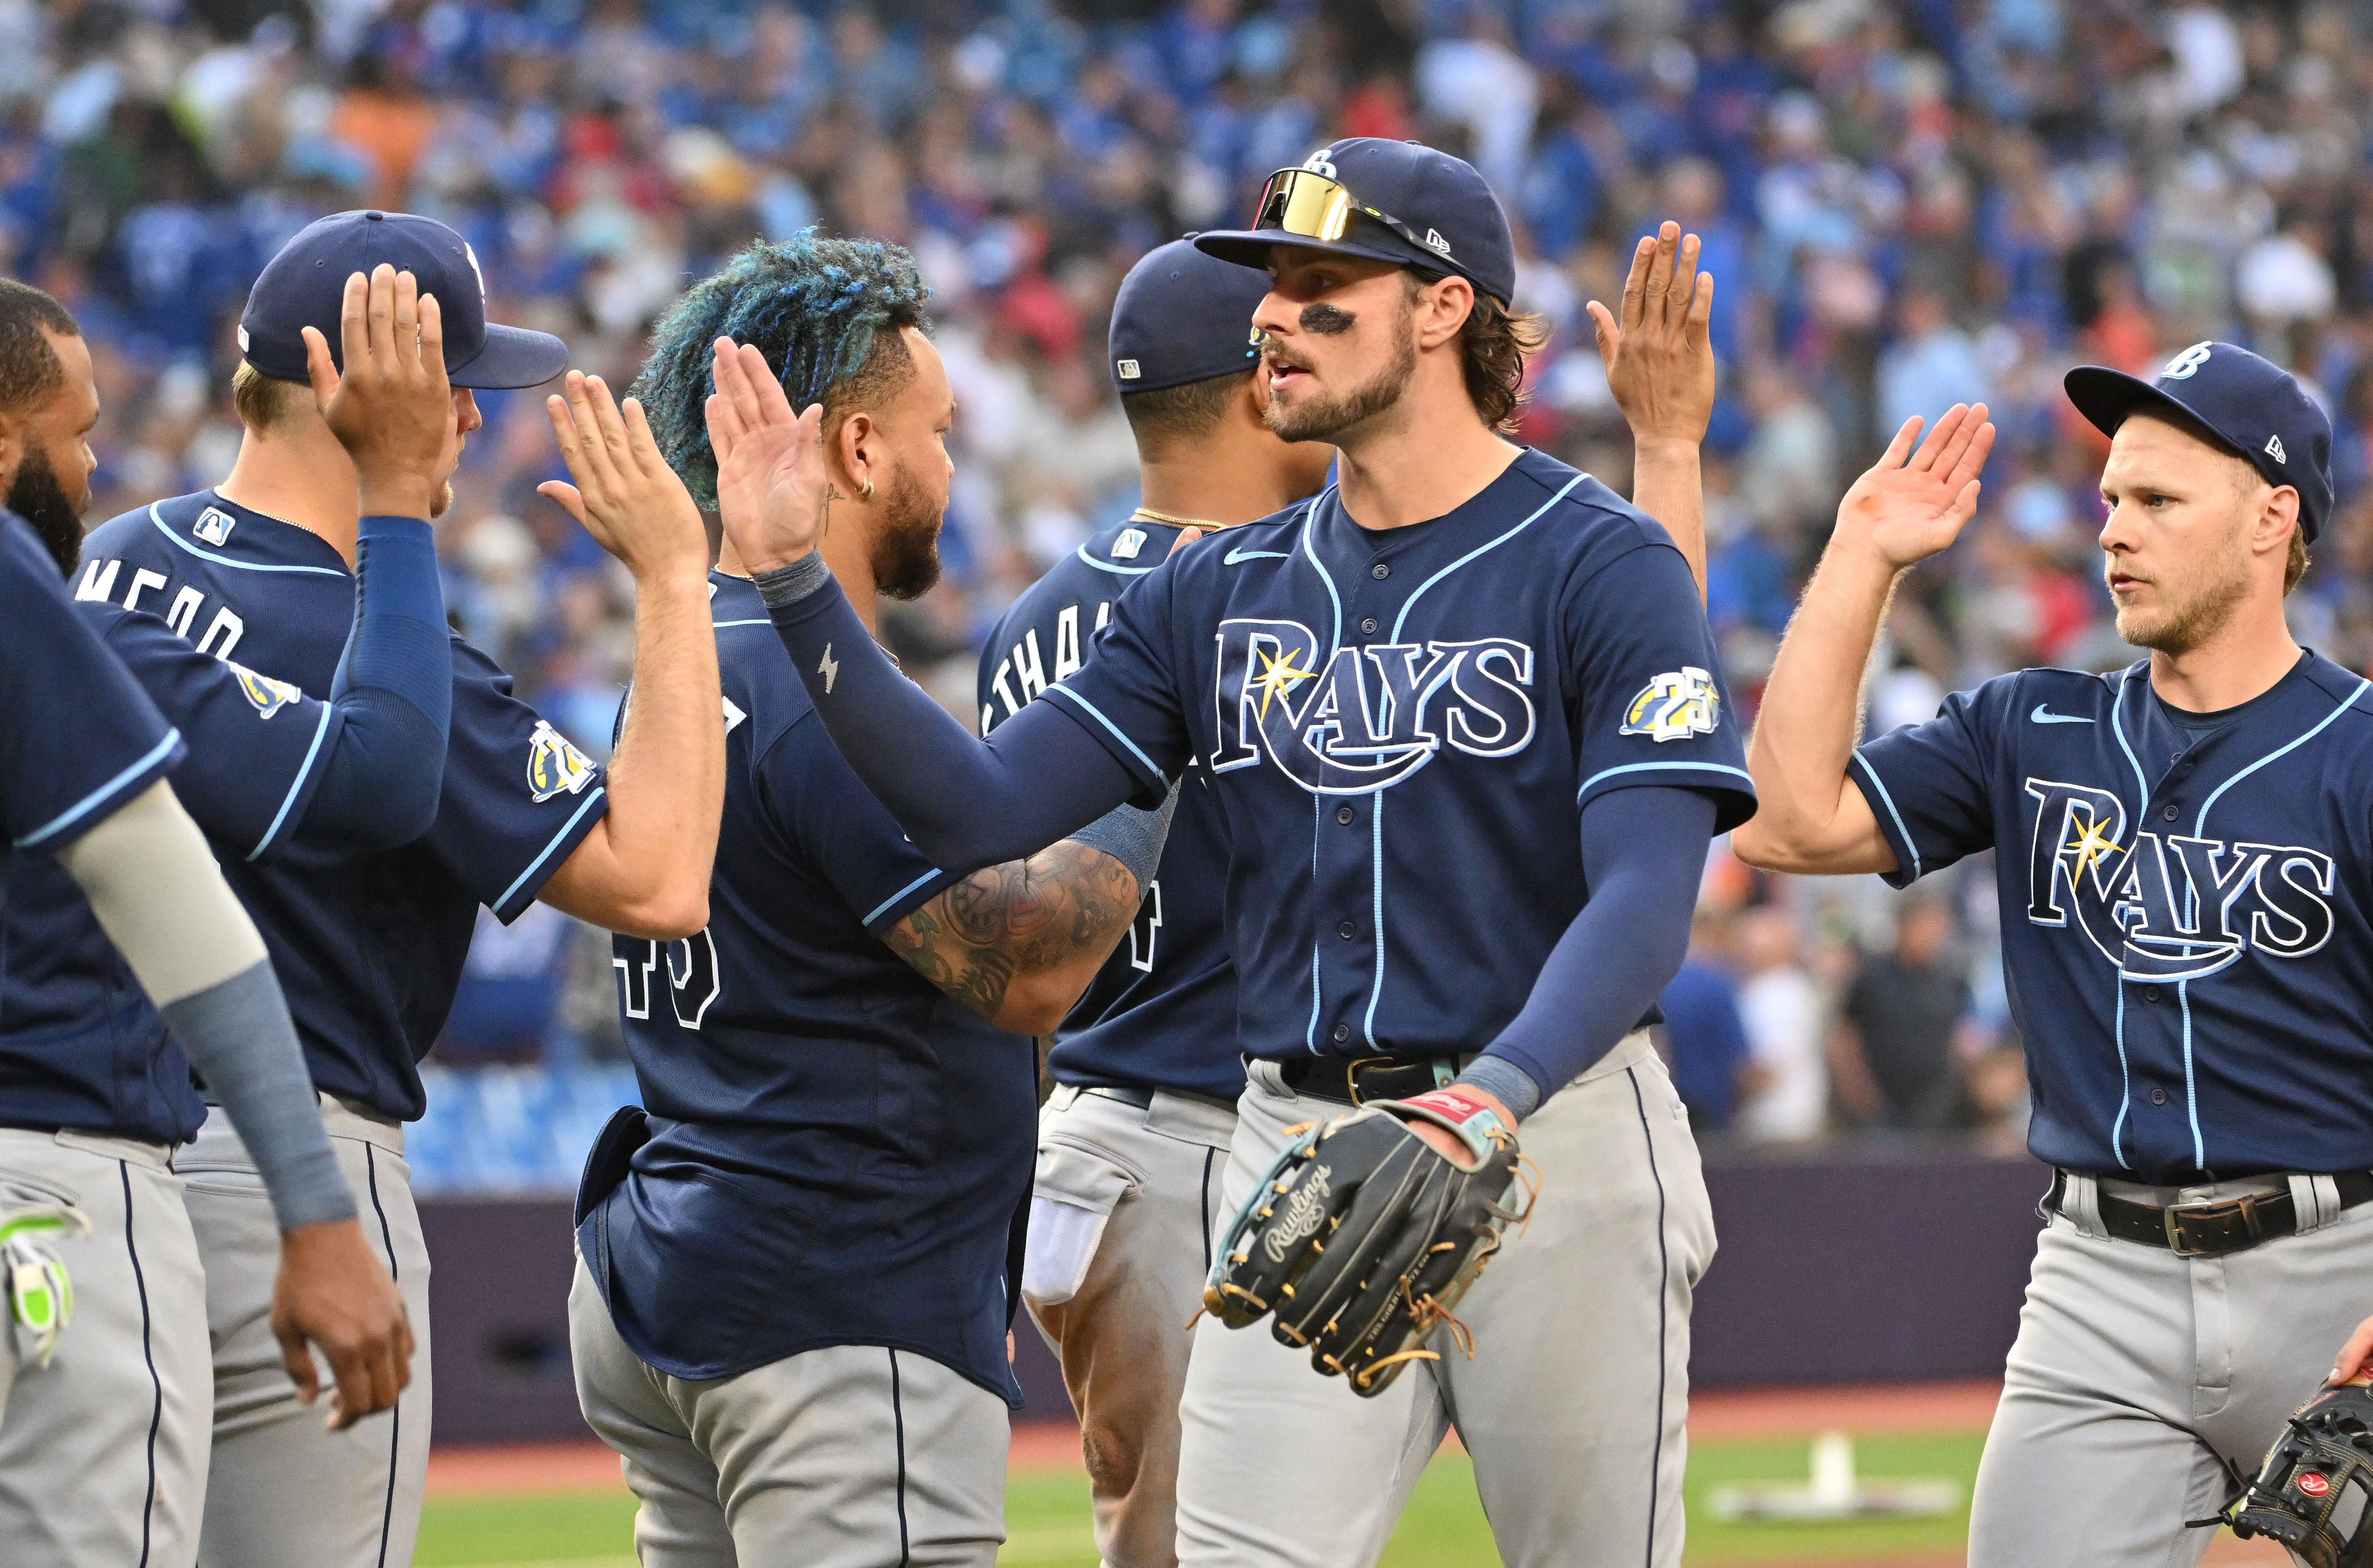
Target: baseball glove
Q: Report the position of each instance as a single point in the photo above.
(2312, 1493)
(1362, 1238)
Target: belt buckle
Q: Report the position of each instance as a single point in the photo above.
(2174, 1214)
(1352, 1075)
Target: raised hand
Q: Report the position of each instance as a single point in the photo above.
(771, 484)
(1659, 358)
(334, 1291)
(625, 494)
(1905, 511)
(391, 408)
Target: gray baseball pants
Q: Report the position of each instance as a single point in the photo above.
(1573, 1408)
(1121, 1217)
(103, 1451)
(285, 1491)
(849, 1456)
(2138, 1374)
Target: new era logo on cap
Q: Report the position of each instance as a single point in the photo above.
(2274, 449)
(1434, 240)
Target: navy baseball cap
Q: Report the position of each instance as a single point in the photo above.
(1182, 316)
(2250, 404)
(305, 285)
(1397, 202)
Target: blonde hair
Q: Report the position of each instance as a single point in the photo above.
(262, 400)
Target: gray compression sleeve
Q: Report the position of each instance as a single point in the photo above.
(1512, 1085)
(238, 1037)
(161, 899)
(1133, 837)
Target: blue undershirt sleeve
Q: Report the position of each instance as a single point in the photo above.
(964, 802)
(1642, 851)
(393, 695)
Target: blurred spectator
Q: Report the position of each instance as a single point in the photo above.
(1787, 1083)
(1891, 1049)
(1704, 1043)
(1931, 366)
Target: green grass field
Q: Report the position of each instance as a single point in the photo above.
(1047, 1516)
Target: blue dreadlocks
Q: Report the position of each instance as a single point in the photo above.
(810, 306)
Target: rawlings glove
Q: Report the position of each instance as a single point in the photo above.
(2312, 1493)
(1362, 1238)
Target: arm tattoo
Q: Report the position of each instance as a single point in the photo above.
(1016, 918)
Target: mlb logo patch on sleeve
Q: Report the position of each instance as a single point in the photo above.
(554, 765)
(1674, 705)
(213, 525)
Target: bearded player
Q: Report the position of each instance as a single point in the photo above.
(1463, 720)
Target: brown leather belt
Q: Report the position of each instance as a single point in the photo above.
(1355, 1081)
(2209, 1230)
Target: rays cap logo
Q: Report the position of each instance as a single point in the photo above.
(554, 765)
(305, 285)
(2252, 407)
(1449, 219)
(1183, 317)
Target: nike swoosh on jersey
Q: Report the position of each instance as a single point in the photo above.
(1240, 554)
(2044, 715)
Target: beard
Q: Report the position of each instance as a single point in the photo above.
(906, 557)
(2197, 605)
(36, 496)
(1324, 419)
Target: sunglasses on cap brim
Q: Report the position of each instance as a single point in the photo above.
(1311, 206)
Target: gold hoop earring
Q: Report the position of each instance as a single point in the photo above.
(865, 491)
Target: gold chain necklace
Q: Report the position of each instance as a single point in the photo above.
(1149, 515)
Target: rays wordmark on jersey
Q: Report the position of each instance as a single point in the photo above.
(2169, 907)
(1365, 718)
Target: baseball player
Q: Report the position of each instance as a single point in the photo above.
(1132, 1141)
(1462, 718)
(105, 1386)
(370, 943)
(791, 1308)
(2182, 869)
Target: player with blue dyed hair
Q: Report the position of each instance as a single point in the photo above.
(797, 1274)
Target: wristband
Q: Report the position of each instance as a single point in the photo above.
(1506, 1082)
(779, 586)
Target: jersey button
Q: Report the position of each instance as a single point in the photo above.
(2150, 993)
(1347, 930)
(2171, 810)
(1342, 1032)
(2158, 1096)
(1380, 571)
(1369, 625)
(1346, 815)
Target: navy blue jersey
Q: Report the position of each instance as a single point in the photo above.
(1403, 727)
(1162, 1010)
(838, 1146)
(2185, 922)
(78, 739)
(368, 945)
(92, 1052)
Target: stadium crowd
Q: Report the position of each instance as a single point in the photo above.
(1906, 204)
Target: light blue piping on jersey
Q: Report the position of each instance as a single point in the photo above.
(2191, 1089)
(2142, 805)
(2125, 1087)
(2118, 727)
(720, 625)
(1660, 767)
(98, 797)
(520, 881)
(2199, 823)
(1097, 714)
(303, 773)
(180, 543)
(1376, 859)
(1888, 802)
(1309, 520)
(1318, 819)
(1402, 619)
(900, 894)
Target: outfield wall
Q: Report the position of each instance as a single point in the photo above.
(1862, 1267)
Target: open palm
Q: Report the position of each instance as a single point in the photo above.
(1907, 508)
(771, 484)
